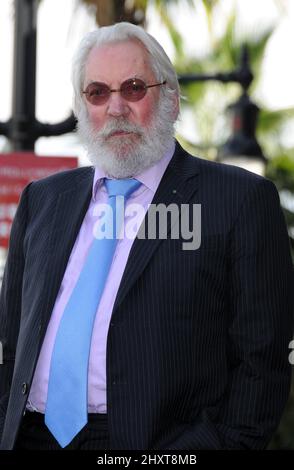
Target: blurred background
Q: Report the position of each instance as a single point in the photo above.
(236, 68)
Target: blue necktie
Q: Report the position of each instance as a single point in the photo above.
(66, 407)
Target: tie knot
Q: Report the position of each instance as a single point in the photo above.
(121, 187)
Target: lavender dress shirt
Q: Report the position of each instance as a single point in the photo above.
(97, 401)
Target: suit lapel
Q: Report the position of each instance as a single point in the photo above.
(178, 185)
(71, 206)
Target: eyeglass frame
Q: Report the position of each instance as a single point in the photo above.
(85, 92)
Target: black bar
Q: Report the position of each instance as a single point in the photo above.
(24, 75)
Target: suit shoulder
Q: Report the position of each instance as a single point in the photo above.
(222, 182)
(214, 171)
(63, 179)
(217, 178)
(230, 176)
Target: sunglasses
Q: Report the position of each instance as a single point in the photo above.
(133, 89)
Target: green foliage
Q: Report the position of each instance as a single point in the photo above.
(269, 119)
(281, 170)
(208, 100)
(173, 32)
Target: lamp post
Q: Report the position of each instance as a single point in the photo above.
(23, 129)
(242, 148)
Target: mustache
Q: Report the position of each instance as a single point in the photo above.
(119, 125)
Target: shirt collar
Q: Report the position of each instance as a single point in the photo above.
(150, 177)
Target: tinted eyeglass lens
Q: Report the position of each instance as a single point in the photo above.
(97, 93)
(133, 90)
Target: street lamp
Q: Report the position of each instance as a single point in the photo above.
(242, 148)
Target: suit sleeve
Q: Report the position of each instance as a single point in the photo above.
(10, 302)
(260, 306)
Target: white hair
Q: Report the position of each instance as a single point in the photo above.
(119, 32)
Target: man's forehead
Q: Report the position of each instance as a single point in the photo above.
(129, 46)
(118, 61)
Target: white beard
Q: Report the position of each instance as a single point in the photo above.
(127, 156)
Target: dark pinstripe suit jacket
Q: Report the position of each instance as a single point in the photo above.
(197, 351)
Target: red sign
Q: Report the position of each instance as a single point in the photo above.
(16, 171)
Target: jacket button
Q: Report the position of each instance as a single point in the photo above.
(24, 388)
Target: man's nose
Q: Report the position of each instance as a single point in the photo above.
(117, 105)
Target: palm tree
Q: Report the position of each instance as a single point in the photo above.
(112, 11)
(108, 12)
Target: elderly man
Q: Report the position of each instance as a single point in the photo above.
(130, 341)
